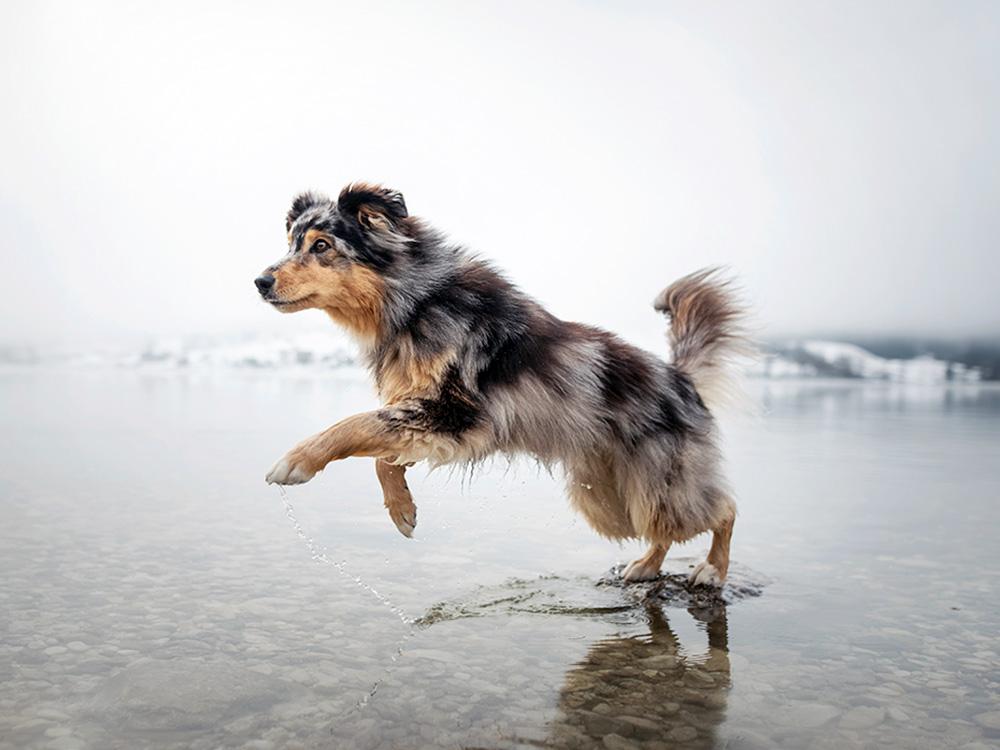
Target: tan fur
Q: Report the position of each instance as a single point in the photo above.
(312, 235)
(647, 567)
(359, 305)
(409, 375)
(618, 508)
(397, 498)
(359, 435)
(372, 219)
(621, 508)
(366, 435)
(718, 555)
(593, 493)
(655, 555)
(351, 294)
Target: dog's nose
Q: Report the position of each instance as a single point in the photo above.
(264, 283)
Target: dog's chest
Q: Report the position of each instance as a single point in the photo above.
(404, 374)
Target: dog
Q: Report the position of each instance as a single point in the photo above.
(468, 366)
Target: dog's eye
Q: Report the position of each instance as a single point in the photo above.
(319, 246)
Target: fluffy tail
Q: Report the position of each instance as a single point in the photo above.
(707, 332)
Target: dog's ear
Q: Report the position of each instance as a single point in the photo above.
(302, 202)
(373, 206)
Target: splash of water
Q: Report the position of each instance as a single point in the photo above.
(319, 554)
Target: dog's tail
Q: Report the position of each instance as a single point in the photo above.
(707, 332)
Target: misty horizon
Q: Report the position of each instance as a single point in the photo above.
(594, 155)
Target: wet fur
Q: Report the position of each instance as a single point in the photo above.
(468, 366)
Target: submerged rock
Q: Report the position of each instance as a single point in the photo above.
(151, 695)
(863, 717)
(988, 719)
(805, 715)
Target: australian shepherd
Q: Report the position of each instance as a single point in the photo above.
(467, 366)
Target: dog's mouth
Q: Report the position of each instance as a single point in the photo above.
(288, 302)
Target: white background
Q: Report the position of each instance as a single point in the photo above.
(842, 157)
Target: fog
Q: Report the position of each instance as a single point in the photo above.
(841, 157)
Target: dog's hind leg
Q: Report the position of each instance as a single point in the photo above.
(713, 571)
(396, 493)
(647, 567)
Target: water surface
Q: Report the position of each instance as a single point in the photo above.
(156, 595)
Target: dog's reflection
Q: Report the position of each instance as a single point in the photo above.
(643, 689)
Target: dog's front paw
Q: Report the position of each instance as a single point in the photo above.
(705, 575)
(292, 468)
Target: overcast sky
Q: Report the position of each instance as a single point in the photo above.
(842, 157)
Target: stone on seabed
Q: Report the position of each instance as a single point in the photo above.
(988, 719)
(863, 717)
(183, 694)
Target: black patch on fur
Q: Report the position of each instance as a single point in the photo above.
(669, 417)
(455, 410)
(388, 202)
(626, 376)
(300, 204)
(664, 398)
(688, 394)
(365, 252)
(680, 410)
(369, 251)
(475, 296)
(533, 352)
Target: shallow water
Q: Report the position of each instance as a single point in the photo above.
(155, 594)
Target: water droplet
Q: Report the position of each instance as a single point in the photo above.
(318, 554)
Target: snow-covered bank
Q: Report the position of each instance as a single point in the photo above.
(305, 350)
(808, 358)
(318, 351)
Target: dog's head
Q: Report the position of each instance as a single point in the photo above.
(338, 255)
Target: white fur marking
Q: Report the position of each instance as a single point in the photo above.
(284, 472)
(641, 570)
(705, 575)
